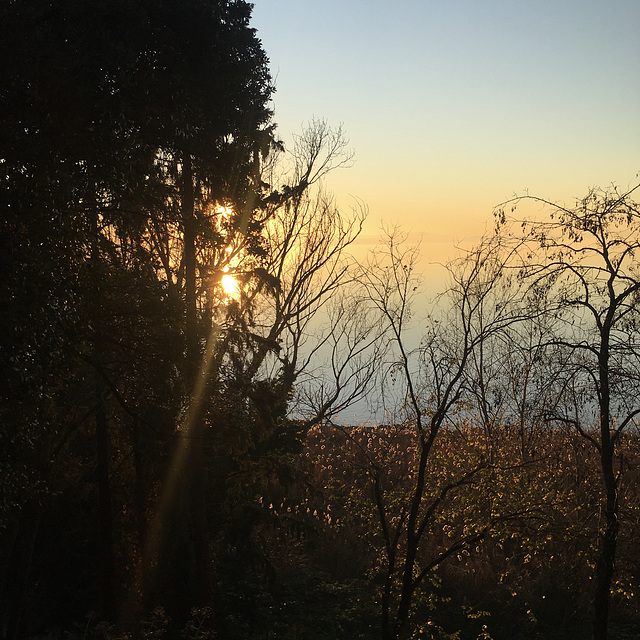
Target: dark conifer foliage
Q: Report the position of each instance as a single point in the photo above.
(104, 105)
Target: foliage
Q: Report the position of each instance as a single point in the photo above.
(171, 454)
(527, 575)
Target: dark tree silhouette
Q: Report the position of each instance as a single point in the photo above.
(582, 267)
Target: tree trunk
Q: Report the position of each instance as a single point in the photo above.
(413, 539)
(391, 546)
(16, 578)
(195, 432)
(199, 515)
(140, 484)
(406, 594)
(131, 609)
(606, 560)
(105, 541)
(104, 508)
(386, 608)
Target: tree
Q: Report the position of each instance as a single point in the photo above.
(303, 262)
(582, 262)
(121, 121)
(510, 380)
(430, 384)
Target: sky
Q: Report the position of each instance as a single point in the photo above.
(453, 106)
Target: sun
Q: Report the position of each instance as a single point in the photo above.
(230, 286)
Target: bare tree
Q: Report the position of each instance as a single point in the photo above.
(293, 297)
(342, 367)
(431, 381)
(582, 262)
(510, 380)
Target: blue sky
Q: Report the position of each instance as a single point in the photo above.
(452, 106)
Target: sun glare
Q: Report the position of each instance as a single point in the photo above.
(230, 286)
(224, 211)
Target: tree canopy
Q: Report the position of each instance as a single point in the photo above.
(172, 459)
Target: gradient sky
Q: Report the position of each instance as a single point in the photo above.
(453, 106)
